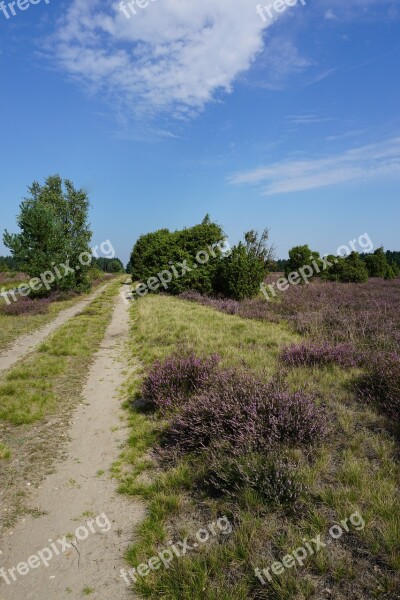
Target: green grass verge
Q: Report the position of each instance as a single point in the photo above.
(33, 388)
(354, 470)
(12, 327)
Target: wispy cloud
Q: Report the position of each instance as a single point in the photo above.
(307, 119)
(294, 175)
(280, 62)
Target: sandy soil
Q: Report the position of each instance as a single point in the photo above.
(79, 499)
(26, 343)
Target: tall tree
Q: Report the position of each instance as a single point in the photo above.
(54, 230)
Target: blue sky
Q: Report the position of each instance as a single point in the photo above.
(188, 108)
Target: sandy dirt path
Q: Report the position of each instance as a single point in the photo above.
(79, 500)
(26, 343)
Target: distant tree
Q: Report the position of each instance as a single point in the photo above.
(4, 268)
(350, 269)
(377, 264)
(54, 230)
(10, 263)
(279, 266)
(300, 256)
(390, 273)
(109, 265)
(393, 258)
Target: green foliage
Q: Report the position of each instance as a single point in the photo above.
(390, 272)
(300, 256)
(108, 265)
(54, 229)
(279, 265)
(257, 244)
(393, 259)
(10, 263)
(4, 268)
(240, 274)
(378, 265)
(161, 250)
(350, 269)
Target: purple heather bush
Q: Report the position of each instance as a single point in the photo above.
(174, 381)
(240, 411)
(315, 355)
(226, 305)
(26, 306)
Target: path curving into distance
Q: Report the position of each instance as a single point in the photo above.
(75, 543)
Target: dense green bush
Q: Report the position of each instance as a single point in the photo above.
(300, 256)
(351, 269)
(240, 274)
(199, 259)
(377, 264)
(164, 250)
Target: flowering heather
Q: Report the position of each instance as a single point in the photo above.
(365, 314)
(26, 306)
(382, 384)
(314, 355)
(226, 305)
(245, 413)
(172, 382)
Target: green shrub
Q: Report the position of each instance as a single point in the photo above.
(163, 250)
(300, 256)
(351, 269)
(240, 274)
(273, 479)
(377, 264)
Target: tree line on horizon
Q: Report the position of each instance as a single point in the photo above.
(240, 274)
(54, 227)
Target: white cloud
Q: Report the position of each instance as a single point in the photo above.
(174, 55)
(330, 15)
(294, 175)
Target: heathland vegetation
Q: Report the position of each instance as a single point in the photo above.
(282, 415)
